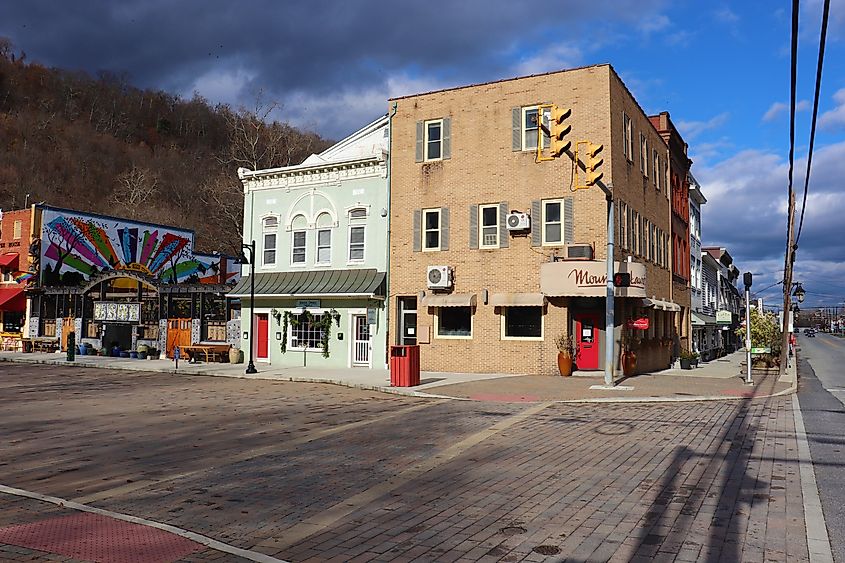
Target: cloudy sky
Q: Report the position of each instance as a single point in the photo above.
(720, 68)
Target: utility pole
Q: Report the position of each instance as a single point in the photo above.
(787, 280)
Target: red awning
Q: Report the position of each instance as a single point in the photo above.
(12, 299)
(9, 260)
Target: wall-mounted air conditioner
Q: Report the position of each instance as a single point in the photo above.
(439, 277)
(578, 252)
(518, 221)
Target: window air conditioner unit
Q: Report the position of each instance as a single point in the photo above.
(578, 252)
(518, 221)
(439, 277)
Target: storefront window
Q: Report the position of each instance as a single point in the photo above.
(306, 334)
(523, 322)
(12, 321)
(454, 322)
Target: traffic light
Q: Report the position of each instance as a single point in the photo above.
(560, 129)
(593, 163)
(622, 279)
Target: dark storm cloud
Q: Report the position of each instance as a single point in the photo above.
(303, 46)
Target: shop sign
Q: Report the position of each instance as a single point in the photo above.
(308, 304)
(724, 317)
(108, 311)
(588, 278)
(765, 350)
(372, 315)
(638, 324)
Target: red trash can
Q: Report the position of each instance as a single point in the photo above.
(404, 366)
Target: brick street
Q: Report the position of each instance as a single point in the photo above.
(307, 472)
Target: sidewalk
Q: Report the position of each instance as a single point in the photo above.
(718, 379)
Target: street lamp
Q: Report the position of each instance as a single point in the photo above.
(242, 259)
(798, 292)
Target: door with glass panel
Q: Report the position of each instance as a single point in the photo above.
(361, 342)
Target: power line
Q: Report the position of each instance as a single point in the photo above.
(822, 40)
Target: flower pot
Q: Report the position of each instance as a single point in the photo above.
(564, 364)
(133, 354)
(142, 355)
(123, 354)
(685, 364)
(236, 356)
(629, 363)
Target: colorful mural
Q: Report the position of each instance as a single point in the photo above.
(76, 246)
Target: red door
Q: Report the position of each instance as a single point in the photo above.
(587, 337)
(262, 335)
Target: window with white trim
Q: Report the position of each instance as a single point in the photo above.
(324, 246)
(643, 155)
(530, 127)
(431, 229)
(269, 227)
(356, 243)
(552, 221)
(651, 243)
(627, 138)
(305, 334)
(655, 164)
(358, 213)
(488, 235)
(522, 323)
(454, 322)
(433, 139)
(297, 247)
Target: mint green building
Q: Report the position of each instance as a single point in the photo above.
(320, 230)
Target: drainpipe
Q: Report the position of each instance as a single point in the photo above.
(389, 176)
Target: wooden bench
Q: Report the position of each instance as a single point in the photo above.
(211, 352)
(39, 344)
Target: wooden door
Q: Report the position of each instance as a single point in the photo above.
(587, 338)
(68, 327)
(262, 335)
(178, 334)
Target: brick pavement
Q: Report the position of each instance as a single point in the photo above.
(246, 462)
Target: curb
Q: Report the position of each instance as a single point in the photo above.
(403, 391)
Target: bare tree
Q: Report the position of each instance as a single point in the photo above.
(253, 142)
(134, 188)
(224, 201)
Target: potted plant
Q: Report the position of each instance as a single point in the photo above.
(628, 358)
(565, 353)
(688, 359)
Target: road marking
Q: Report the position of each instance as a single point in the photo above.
(818, 542)
(330, 516)
(199, 538)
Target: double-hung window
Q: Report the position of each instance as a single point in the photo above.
(627, 138)
(269, 227)
(324, 246)
(655, 168)
(431, 229)
(434, 139)
(489, 225)
(297, 247)
(356, 243)
(306, 332)
(643, 155)
(552, 222)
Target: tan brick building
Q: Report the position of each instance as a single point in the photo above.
(469, 289)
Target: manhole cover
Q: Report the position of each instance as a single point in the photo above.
(512, 530)
(546, 549)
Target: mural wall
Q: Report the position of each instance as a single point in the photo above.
(76, 246)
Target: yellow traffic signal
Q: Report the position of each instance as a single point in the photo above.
(560, 129)
(594, 162)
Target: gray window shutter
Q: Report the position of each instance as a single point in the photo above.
(473, 227)
(568, 215)
(420, 140)
(417, 226)
(516, 124)
(444, 228)
(504, 239)
(536, 223)
(447, 138)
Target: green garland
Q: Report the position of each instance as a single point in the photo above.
(324, 322)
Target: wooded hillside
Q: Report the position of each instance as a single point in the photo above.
(99, 144)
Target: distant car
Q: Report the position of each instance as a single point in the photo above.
(811, 333)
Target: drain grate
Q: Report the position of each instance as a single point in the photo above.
(546, 549)
(512, 530)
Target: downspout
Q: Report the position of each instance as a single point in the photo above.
(389, 176)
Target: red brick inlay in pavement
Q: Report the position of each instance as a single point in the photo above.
(98, 538)
(492, 397)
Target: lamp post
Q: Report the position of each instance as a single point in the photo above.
(242, 259)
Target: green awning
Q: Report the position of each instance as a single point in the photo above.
(365, 282)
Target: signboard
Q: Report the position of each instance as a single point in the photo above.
(791, 321)
(724, 317)
(108, 311)
(308, 304)
(588, 278)
(638, 324)
(371, 315)
(765, 350)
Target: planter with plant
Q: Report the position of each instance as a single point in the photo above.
(565, 353)
(629, 346)
(688, 359)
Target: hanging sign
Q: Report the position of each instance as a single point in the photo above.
(638, 324)
(308, 304)
(117, 312)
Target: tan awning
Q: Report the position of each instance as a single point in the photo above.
(517, 299)
(661, 305)
(453, 300)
